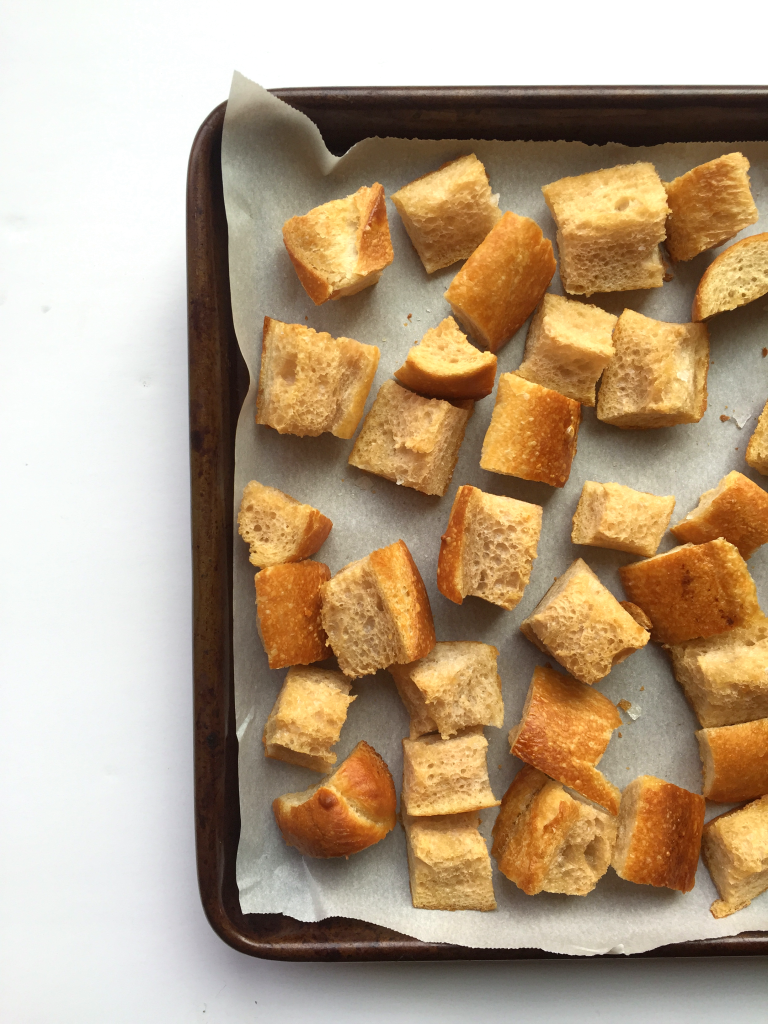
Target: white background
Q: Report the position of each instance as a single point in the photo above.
(101, 920)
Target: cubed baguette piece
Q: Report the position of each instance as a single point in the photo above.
(737, 276)
(503, 281)
(445, 365)
(488, 547)
(658, 375)
(277, 527)
(448, 863)
(737, 509)
(446, 776)
(288, 607)
(341, 247)
(311, 383)
(533, 432)
(613, 516)
(734, 761)
(757, 449)
(735, 849)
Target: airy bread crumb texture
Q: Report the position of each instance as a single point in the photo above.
(736, 509)
(448, 863)
(446, 776)
(734, 761)
(735, 849)
(757, 449)
(288, 608)
(737, 276)
(277, 527)
(445, 365)
(613, 516)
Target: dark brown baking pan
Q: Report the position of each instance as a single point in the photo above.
(218, 382)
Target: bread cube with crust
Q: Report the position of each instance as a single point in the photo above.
(448, 863)
(613, 516)
(737, 509)
(446, 776)
(277, 527)
(288, 607)
(735, 849)
(445, 365)
(737, 276)
(734, 761)
(757, 449)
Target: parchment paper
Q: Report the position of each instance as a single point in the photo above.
(275, 165)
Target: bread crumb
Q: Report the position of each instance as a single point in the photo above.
(624, 704)
(618, 734)
(765, 352)
(410, 315)
(724, 418)
(642, 687)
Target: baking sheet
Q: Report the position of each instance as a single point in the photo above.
(275, 165)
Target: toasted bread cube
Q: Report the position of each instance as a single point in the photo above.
(609, 225)
(658, 376)
(448, 863)
(737, 509)
(341, 247)
(376, 612)
(739, 275)
(708, 205)
(455, 686)
(446, 776)
(694, 590)
(546, 840)
(735, 849)
(307, 718)
(288, 609)
(734, 761)
(277, 527)
(488, 547)
(448, 212)
(564, 731)
(411, 440)
(659, 836)
(445, 365)
(614, 516)
(503, 281)
(311, 383)
(580, 623)
(757, 449)
(533, 432)
(568, 347)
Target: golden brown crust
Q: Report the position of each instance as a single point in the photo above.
(450, 559)
(757, 448)
(726, 268)
(445, 365)
(406, 597)
(735, 761)
(737, 510)
(637, 614)
(288, 606)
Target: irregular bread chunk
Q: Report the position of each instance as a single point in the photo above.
(277, 527)
(734, 761)
(445, 365)
(288, 608)
(737, 509)
(737, 276)
(613, 516)
(757, 449)
(446, 776)
(735, 849)
(448, 863)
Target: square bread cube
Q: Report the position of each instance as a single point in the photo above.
(735, 849)
(694, 590)
(609, 225)
(568, 347)
(737, 509)
(503, 281)
(737, 276)
(613, 516)
(446, 776)
(445, 365)
(311, 383)
(708, 205)
(288, 610)
(580, 623)
(307, 718)
(757, 449)
(734, 761)
(658, 375)
(448, 863)
(448, 212)
(533, 432)
(546, 840)
(277, 527)
(411, 440)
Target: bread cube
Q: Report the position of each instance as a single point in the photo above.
(734, 761)
(410, 440)
(311, 383)
(307, 718)
(445, 365)
(546, 840)
(617, 517)
(376, 612)
(341, 247)
(448, 863)
(564, 731)
(503, 281)
(658, 375)
(455, 686)
(277, 527)
(708, 205)
(533, 432)
(446, 776)
(757, 449)
(288, 609)
(448, 212)
(695, 590)
(580, 623)
(737, 509)
(737, 276)
(609, 225)
(735, 849)
(659, 835)
(568, 347)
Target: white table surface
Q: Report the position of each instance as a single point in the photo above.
(101, 921)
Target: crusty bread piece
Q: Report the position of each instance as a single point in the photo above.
(288, 607)
(737, 509)
(659, 834)
(376, 612)
(568, 347)
(311, 383)
(341, 247)
(734, 761)
(609, 225)
(735, 849)
(546, 840)
(448, 212)
(581, 624)
(757, 449)
(411, 440)
(455, 686)
(503, 281)
(446, 776)
(307, 718)
(638, 615)
(694, 590)
(488, 547)
(564, 730)
(658, 375)
(350, 810)
(708, 205)
(533, 432)
(277, 527)
(613, 516)
(448, 863)
(737, 276)
(445, 365)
